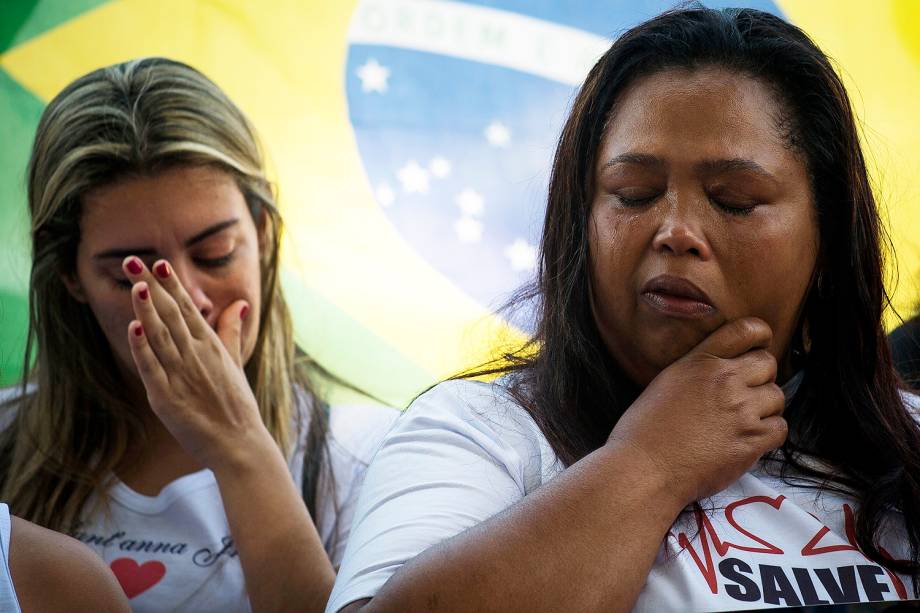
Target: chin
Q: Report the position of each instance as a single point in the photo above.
(668, 350)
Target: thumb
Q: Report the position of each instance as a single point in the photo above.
(230, 329)
(736, 337)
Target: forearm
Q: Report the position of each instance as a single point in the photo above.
(583, 542)
(283, 560)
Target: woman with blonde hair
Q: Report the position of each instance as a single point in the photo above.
(168, 417)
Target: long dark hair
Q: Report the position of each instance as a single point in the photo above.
(848, 411)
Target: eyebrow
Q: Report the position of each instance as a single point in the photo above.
(635, 158)
(708, 167)
(730, 165)
(121, 252)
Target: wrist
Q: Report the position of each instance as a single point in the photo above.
(650, 475)
(247, 453)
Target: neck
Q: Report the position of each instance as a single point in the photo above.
(156, 460)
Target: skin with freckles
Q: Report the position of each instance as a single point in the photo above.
(193, 216)
(694, 181)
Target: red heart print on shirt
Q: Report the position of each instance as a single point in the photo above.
(137, 578)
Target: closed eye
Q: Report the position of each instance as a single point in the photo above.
(733, 208)
(215, 262)
(634, 201)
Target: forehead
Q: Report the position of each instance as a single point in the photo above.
(714, 113)
(177, 202)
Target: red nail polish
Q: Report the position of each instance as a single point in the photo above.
(134, 266)
(244, 311)
(143, 294)
(162, 270)
(139, 330)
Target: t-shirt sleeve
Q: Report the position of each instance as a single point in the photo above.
(449, 463)
(356, 432)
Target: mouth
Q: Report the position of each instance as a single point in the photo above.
(676, 297)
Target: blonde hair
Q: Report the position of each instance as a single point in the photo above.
(72, 426)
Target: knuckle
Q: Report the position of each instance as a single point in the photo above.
(736, 404)
(724, 375)
(186, 306)
(162, 336)
(765, 357)
(780, 432)
(171, 308)
(776, 396)
(144, 366)
(749, 425)
(214, 349)
(782, 427)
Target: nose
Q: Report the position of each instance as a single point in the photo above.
(196, 290)
(681, 233)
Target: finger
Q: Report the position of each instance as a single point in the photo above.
(736, 337)
(230, 329)
(770, 400)
(156, 334)
(166, 307)
(775, 431)
(757, 367)
(194, 321)
(148, 366)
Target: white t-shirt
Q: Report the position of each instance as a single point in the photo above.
(173, 551)
(9, 602)
(465, 451)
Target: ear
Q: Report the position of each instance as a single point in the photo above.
(74, 287)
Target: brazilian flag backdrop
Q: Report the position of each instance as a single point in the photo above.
(411, 141)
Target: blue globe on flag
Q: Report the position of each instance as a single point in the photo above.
(456, 109)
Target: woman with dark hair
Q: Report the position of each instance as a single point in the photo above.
(707, 417)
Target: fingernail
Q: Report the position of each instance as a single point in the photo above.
(162, 270)
(244, 311)
(143, 293)
(134, 266)
(139, 330)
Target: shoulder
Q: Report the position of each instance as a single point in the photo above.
(486, 407)
(356, 429)
(468, 413)
(54, 572)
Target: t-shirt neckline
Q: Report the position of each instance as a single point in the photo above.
(123, 494)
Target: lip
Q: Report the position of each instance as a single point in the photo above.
(677, 297)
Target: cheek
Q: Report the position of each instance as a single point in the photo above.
(113, 313)
(770, 276)
(616, 247)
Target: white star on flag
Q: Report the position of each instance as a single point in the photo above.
(498, 134)
(373, 76)
(522, 255)
(468, 230)
(439, 167)
(413, 177)
(470, 202)
(385, 195)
